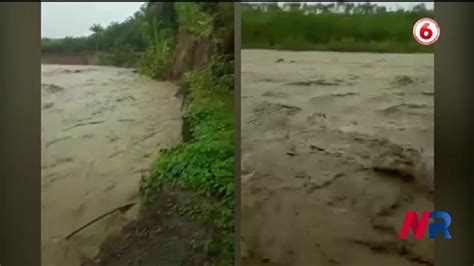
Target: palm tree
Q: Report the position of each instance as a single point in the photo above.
(419, 8)
(97, 30)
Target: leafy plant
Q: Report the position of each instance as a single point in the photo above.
(218, 75)
(157, 58)
(192, 19)
(206, 163)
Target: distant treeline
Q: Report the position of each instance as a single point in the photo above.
(128, 33)
(340, 7)
(146, 36)
(367, 28)
(116, 44)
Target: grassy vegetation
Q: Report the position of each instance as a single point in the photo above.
(205, 164)
(294, 30)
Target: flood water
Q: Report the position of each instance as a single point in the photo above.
(102, 127)
(336, 147)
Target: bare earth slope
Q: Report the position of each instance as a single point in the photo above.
(101, 129)
(336, 147)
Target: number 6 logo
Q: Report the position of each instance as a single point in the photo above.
(426, 31)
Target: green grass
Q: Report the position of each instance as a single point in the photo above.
(384, 32)
(206, 163)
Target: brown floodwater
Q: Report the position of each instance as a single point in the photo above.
(102, 127)
(336, 147)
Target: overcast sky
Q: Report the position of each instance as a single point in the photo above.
(64, 19)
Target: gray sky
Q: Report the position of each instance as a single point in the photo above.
(64, 19)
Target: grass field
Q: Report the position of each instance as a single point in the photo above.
(293, 30)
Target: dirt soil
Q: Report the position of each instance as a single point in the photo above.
(160, 236)
(101, 129)
(336, 147)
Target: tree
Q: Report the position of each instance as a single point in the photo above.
(348, 8)
(330, 7)
(380, 9)
(419, 8)
(98, 31)
(165, 12)
(400, 10)
(324, 8)
(294, 6)
(366, 8)
(304, 7)
(273, 6)
(340, 5)
(319, 7)
(246, 6)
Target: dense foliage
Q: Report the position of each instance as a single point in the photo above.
(206, 163)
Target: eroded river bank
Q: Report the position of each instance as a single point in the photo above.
(102, 127)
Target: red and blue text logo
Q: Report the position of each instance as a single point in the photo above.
(418, 226)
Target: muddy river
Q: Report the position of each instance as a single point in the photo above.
(102, 127)
(336, 147)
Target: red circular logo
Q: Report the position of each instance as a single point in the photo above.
(426, 31)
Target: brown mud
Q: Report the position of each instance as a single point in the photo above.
(162, 236)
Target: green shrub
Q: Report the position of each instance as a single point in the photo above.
(206, 163)
(192, 19)
(156, 60)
